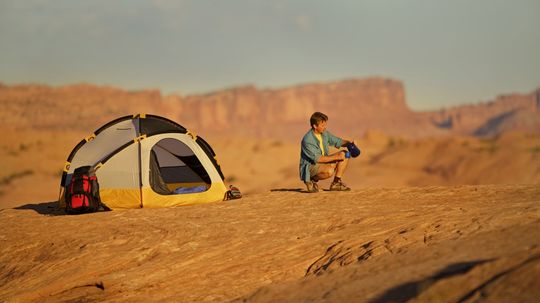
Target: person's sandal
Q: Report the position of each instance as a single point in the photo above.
(339, 186)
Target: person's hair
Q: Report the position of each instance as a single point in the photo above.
(316, 118)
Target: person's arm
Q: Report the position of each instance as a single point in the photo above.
(344, 142)
(332, 158)
(338, 142)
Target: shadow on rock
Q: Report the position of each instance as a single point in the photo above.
(298, 190)
(410, 290)
(45, 208)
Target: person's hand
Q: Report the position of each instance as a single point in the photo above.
(353, 141)
(341, 155)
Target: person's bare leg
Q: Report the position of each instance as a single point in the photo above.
(341, 167)
(337, 184)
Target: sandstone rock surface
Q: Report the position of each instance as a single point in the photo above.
(373, 245)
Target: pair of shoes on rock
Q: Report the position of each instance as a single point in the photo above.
(339, 186)
(312, 187)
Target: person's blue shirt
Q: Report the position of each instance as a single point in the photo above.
(311, 151)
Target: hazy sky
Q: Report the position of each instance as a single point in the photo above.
(445, 52)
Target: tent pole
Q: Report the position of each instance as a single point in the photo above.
(140, 164)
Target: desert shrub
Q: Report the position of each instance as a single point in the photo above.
(16, 175)
(394, 142)
(535, 150)
(489, 145)
(492, 148)
(277, 143)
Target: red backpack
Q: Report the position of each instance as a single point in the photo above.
(82, 192)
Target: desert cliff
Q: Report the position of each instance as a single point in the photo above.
(372, 103)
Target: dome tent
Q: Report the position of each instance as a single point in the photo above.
(140, 160)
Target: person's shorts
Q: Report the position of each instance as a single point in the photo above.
(313, 169)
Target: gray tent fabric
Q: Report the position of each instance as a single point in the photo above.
(156, 181)
(103, 144)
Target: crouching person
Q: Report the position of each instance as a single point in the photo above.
(315, 161)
